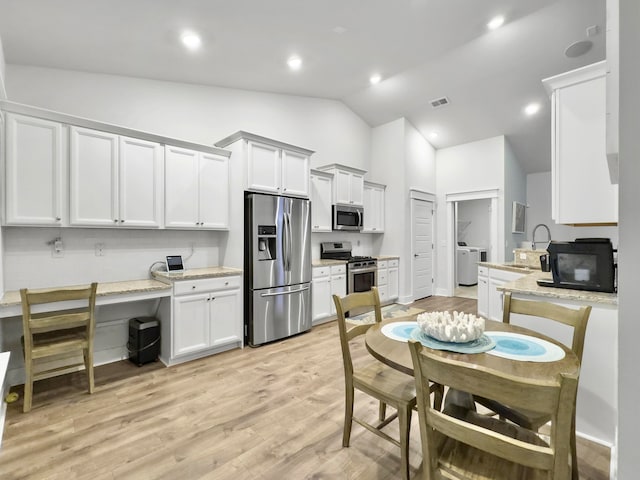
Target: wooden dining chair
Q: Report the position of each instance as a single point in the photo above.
(576, 319)
(460, 444)
(57, 335)
(388, 386)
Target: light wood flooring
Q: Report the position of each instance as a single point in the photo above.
(269, 413)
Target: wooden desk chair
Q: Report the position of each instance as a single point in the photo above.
(53, 339)
(375, 379)
(466, 445)
(575, 318)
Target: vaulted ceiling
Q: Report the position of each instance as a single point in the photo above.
(423, 50)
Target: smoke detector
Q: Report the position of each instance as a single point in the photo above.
(439, 102)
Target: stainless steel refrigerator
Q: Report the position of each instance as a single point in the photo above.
(277, 264)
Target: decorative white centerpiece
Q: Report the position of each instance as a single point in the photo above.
(457, 328)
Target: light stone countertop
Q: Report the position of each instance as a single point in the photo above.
(194, 273)
(12, 298)
(527, 285)
(386, 257)
(509, 267)
(323, 262)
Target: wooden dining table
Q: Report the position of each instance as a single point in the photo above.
(396, 354)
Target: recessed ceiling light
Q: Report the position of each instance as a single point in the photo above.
(375, 78)
(532, 108)
(339, 30)
(191, 40)
(496, 22)
(433, 135)
(294, 63)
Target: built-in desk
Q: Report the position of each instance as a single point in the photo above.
(116, 303)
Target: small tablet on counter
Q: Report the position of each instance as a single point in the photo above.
(174, 264)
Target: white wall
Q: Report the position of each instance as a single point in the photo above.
(474, 222)
(515, 190)
(197, 113)
(464, 168)
(628, 252)
(539, 211)
(401, 159)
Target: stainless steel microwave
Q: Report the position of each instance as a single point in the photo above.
(586, 264)
(347, 217)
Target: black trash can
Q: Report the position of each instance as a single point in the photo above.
(144, 340)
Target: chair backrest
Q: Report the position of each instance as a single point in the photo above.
(346, 304)
(555, 398)
(53, 319)
(576, 318)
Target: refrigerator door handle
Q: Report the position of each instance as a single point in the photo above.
(287, 265)
(284, 293)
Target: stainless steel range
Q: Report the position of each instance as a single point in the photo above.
(362, 271)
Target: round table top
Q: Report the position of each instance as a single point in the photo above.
(396, 354)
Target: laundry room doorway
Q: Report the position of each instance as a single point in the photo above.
(472, 234)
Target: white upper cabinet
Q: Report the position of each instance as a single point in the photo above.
(196, 189)
(373, 221)
(271, 166)
(321, 184)
(114, 181)
(348, 184)
(34, 171)
(582, 192)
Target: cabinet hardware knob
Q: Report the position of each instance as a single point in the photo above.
(115, 220)
(121, 221)
(58, 219)
(226, 283)
(193, 286)
(284, 189)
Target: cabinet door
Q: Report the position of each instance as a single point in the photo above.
(181, 188)
(94, 178)
(263, 167)
(321, 203)
(140, 183)
(392, 283)
(483, 296)
(295, 174)
(33, 171)
(343, 187)
(582, 190)
(214, 191)
(190, 323)
(338, 287)
(495, 299)
(356, 186)
(226, 321)
(373, 199)
(321, 298)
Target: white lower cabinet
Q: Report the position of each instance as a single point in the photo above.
(388, 280)
(327, 281)
(490, 299)
(205, 318)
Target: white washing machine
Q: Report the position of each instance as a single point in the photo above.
(467, 260)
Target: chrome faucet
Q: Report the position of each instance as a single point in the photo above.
(533, 239)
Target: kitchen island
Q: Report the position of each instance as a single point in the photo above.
(596, 417)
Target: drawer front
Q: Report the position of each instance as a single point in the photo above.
(337, 269)
(382, 264)
(483, 271)
(321, 272)
(382, 277)
(200, 285)
(394, 263)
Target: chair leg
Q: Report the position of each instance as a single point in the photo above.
(404, 420)
(348, 416)
(88, 365)
(28, 385)
(382, 411)
(574, 452)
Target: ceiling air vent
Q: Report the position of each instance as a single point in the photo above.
(439, 102)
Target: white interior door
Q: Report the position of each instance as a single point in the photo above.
(422, 247)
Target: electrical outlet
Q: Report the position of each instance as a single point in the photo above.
(57, 248)
(99, 249)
